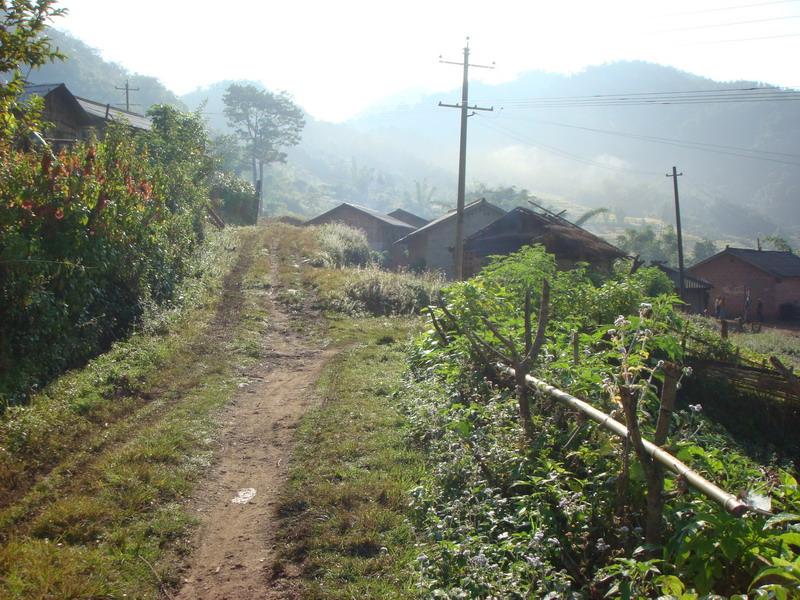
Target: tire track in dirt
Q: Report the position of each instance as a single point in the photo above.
(233, 548)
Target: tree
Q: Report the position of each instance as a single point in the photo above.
(21, 43)
(777, 243)
(703, 249)
(265, 121)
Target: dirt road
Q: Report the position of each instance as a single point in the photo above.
(236, 503)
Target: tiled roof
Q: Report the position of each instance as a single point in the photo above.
(408, 217)
(373, 213)
(449, 215)
(780, 264)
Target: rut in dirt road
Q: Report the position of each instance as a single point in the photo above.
(233, 549)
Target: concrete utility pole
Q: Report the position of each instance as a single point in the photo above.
(681, 284)
(128, 89)
(462, 156)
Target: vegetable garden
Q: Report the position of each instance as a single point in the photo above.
(527, 498)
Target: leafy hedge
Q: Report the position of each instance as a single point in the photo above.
(555, 516)
(88, 237)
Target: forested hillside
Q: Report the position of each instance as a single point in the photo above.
(89, 76)
(546, 135)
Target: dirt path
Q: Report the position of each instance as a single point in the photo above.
(233, 548)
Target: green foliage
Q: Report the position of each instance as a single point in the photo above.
(264, 121)
(703, 249)
(22, 23)
(89, 237)
(777, 243)
(234, 197)
(342, 246)
(508, 518)
(374, 291)
(650, 246)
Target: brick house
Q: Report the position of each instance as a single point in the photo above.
(73, 118)
(521, 226)
(431, 247)
(381, 230)
(772, 277)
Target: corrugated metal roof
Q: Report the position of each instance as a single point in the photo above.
(780, 264)
(369, 211)
(104, 111)
(689, 281)
(38, 89)
(408, 217)
(92, 108)
(449, 215)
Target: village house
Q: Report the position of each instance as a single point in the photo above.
(381, 230)
(432, 246)
(408, 217)
(73, 118)
(696, 292)
(770, 277)
(569, 243)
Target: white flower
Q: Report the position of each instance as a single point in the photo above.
(601, 545)
(645, 306)
(660, 364)
(619, 321)
(696, 407)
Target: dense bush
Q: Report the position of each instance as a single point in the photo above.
(342, 246)
(507, 516)
(235, 198)
(374, 291)
(88, 236)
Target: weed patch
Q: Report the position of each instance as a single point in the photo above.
(346, 506)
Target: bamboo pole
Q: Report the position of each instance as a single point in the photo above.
(730, 502)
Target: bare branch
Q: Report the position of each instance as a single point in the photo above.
(544, 310)
(528, 341)
(505, 341)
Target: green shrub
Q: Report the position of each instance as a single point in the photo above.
(342, 246)
(374, 291)
(89, 237)
(234, 197)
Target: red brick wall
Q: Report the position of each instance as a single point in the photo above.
(730, 276)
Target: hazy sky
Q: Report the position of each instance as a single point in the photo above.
(339, 57)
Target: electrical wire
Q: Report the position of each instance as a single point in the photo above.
(702, 146)
(558, 151)
(726, 8)
(717, 96)
(732, 24)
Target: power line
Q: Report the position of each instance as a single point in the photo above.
(558, 151)
(749, 39)
(656, 101)
(716, 96)
(731, 24)
(726, 8)
(702, 146)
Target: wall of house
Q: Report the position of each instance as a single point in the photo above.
(436, 249)
(788, 292)
(729, 277)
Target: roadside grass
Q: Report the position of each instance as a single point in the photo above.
(345, 509)
(94, 471)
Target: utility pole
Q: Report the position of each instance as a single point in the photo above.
(462, 156)
(128, 89)
(681, 284)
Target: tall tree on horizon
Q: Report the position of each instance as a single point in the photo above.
(265, 121)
